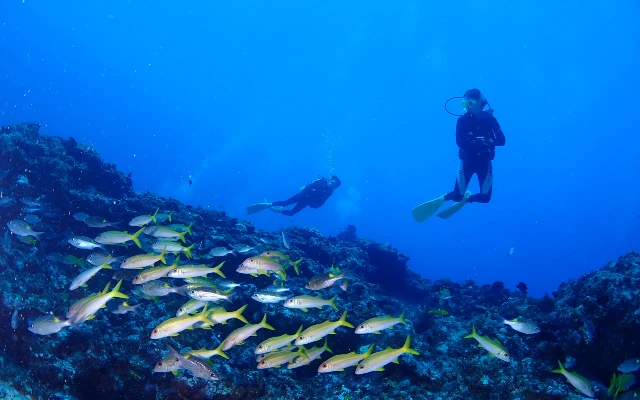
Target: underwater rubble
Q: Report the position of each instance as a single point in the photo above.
(589, 324)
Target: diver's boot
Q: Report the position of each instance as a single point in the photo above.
(450, 211)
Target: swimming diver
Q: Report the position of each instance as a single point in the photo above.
(477, 135)
(313, 194)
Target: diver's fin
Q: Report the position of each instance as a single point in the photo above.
(450, 211)
(254, 208)
(425, 210)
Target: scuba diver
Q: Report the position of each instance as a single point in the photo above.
(477, 135)
(313, 194)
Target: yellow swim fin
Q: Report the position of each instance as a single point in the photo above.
(450, 211)
(425, 210)
(254, 208)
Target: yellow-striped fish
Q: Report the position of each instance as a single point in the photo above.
(377, 361)
(305, 302)
(220, 316)
(239, 335)
(173, 326)
(275, 360)
(342, 361)
(275, 343)
(375, 325)
(318, 331)
(312, 355)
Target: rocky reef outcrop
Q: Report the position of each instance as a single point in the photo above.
(590, 324)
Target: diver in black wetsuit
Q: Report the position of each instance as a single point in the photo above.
(477, 135)
(314, 195)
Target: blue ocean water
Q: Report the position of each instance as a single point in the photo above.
(251, 100)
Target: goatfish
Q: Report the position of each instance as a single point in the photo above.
(143, 220)
(91, 306)
(163, 217)
(377, 361)
(239, 335)
(526, 327)
(159, 231)
(312, 355)
(342, 361)
(84, 276)
(182, 228)
(284, 349)
(48, 324)
(197, 366)
(579, 382)
(375, 325)
(172, 247)
(171, 364)
(282, 259)
(173, 326)
(201, 281)
(277, 342)
(493, 346)
(324, 281)
(83, 242)
(305, 302)
(143, 260)
(318, 331)
(117, 237)
(190, 306)
(262, 265)
(154, 273)
(79, 303)
(100, 257)
(275, 360)
(205, 353)
(221, 316)
(192, 271)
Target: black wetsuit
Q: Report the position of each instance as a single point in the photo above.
(314, 195)
(477, 138)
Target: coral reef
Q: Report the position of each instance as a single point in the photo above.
(589, 324)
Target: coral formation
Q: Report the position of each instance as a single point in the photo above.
(589, 324)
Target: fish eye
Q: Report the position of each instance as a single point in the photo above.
(262, 362)
(260, 346)
(324, 365)
(155, 331)
(159, 364)
(361, 327)
(360, 366)
(177, 359)
(300, 337)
